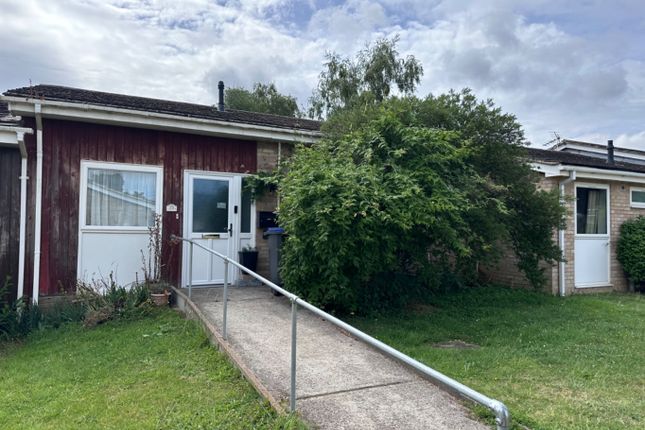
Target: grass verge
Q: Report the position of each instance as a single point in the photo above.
(154, 373)
(557, 363)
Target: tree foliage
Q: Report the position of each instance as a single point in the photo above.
(411, 194)
(368, 79)
(264, 98)
(407, 194)
(372, 205)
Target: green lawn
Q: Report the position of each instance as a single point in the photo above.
(153, 373)
(572, 363)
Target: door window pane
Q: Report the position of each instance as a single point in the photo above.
(246, 210)
(120, 198)
(591, 211)
(210, 206)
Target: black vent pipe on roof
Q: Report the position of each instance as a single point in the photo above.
(220, 103)
(610, 151)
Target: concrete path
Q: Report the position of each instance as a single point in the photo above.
(341, 382)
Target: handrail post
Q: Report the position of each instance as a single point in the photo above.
(190, 271)
(294, 322)
(225, 298)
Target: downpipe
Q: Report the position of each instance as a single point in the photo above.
(561, 239)
(39, 202)
(23, 216)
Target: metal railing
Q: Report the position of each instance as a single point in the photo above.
(502, 415)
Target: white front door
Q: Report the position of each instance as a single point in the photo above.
(218, 216)
(592, 237)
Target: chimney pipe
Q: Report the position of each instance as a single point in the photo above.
(610, 151)
(220, 104)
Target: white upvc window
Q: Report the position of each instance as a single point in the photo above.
(637, 197)
(592, 210)
(116, 196)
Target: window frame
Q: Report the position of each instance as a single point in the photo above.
(575, 211)
(102, 165)
(632, 203)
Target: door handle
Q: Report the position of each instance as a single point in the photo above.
(230, 229)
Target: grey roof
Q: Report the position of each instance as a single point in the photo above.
(99, 98)
(576, 159)
(562, 146)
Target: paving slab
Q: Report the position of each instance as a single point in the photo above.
(341, 383)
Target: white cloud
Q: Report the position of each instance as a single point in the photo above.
(577, 69)
(635, 141)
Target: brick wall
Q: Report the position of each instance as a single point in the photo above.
(506, 271)
(267, 162)
(619, 212)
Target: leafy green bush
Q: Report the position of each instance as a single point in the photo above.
(411, 198)
(631, 248)
(372, 205)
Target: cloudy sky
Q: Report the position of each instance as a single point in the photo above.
(572, 67)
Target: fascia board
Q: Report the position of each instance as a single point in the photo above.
(158, 121)
(553, 170)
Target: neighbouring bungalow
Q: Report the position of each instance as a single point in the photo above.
(601, 187)
(83, 174)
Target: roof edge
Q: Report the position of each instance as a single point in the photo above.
(87, 112)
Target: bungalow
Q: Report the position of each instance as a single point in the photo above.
(83, 174)
(601, 187)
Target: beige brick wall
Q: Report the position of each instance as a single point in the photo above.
(620, 211)
(267, 162)
(506, 272)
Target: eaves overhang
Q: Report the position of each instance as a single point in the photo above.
(157, 121)
(551, 170)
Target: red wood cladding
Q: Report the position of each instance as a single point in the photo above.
(66, 143)
(9, 216)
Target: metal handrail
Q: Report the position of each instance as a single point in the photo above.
(502, 415)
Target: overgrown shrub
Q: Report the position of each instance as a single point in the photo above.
(631, 249)
(413, 198)
(373, 205)
(104, 300)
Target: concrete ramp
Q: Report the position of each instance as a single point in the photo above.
(342, 383)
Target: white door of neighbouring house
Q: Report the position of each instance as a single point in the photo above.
(118, 203)
(218, 216)
(592, 237)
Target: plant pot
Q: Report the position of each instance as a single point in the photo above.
(249, 259)
(160, 299)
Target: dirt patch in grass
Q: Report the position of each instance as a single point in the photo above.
(455, 344)
(421, 308)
